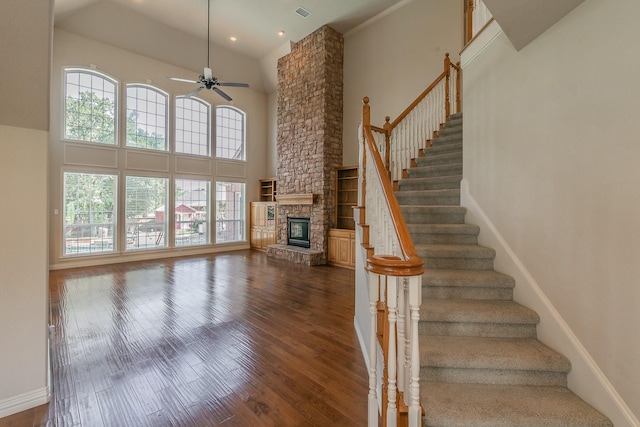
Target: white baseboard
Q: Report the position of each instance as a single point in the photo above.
(585, 379)
(24, 401)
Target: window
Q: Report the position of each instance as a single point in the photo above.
(230, 133)
(146, 118)
(192, 212)
(90, 107)
(89, 213)
(192, 126)
(146, 219)
(230, 212)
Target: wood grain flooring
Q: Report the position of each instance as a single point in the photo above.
(232, 339)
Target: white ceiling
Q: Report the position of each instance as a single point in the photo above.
(255, 23)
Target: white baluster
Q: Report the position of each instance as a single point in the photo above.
(415, 299)
(392, 308)
(373, 351)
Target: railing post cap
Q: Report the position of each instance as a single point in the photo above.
(365, 99)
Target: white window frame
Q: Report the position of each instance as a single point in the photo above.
(116, 104)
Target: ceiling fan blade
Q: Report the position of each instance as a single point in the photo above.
(208, 74)
(221, 93)
(231, 84)
(178, 79)
(193, 92)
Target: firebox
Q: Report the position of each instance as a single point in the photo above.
(298, 232)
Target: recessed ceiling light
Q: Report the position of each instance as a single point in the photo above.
(302, 12)
(233, 38)
(281, 33)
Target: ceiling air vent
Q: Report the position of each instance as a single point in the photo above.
(302, 12)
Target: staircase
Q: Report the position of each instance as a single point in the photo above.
(481, 364)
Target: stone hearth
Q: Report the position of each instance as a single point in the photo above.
(309, 145)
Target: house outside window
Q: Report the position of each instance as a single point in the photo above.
(230, 133)
(89, 213)
(191, 212)
(145, 206)
(90, 107)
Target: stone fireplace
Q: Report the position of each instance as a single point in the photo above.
(309, 141)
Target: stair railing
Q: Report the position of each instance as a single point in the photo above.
(395, 285)
(409, 133)
(394, 270)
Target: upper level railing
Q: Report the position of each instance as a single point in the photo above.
(409, 133)
(476, 17)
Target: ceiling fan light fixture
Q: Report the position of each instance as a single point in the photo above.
(302, 12)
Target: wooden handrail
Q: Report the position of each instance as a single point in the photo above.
(412, 264)
(445, 74)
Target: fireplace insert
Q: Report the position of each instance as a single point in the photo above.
(298, 232)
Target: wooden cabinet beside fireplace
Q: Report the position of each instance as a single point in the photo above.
(342, 239)
(263, 224)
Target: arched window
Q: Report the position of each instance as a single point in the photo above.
(193, 118)
(230, 133)
(146, 117)
(89, 106)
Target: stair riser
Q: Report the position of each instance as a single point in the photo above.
(444, 198)
(461, 329)
(457, 263)
(447, 292)
(415, 186)
(454, 138)
(437, 149)
(493, 376)
(443, 159)
(446, 239)
(416, 217)
(433, 172)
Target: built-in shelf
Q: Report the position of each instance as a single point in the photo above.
(295, 199)
(268, 190)
(346, 196)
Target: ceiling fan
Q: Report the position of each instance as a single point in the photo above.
(207, 80)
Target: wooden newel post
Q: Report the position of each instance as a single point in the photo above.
(447, 95)
(366, 121)
(387, 149)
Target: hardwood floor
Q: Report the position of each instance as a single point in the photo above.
(233, 339)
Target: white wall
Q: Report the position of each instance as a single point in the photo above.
(23, 269)
(551, 161)
(393, 58)
(128, 67)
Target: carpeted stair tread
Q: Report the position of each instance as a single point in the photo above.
(467, 278)
(436, 170)
(433, 214)
(488, 405)
(439, 159)
(438, 148)
(447, 138)
(427, 197)
(466, 234)
(431, 183)
(490, 353)
(476, 311)
(443, 229)
(455, 251)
